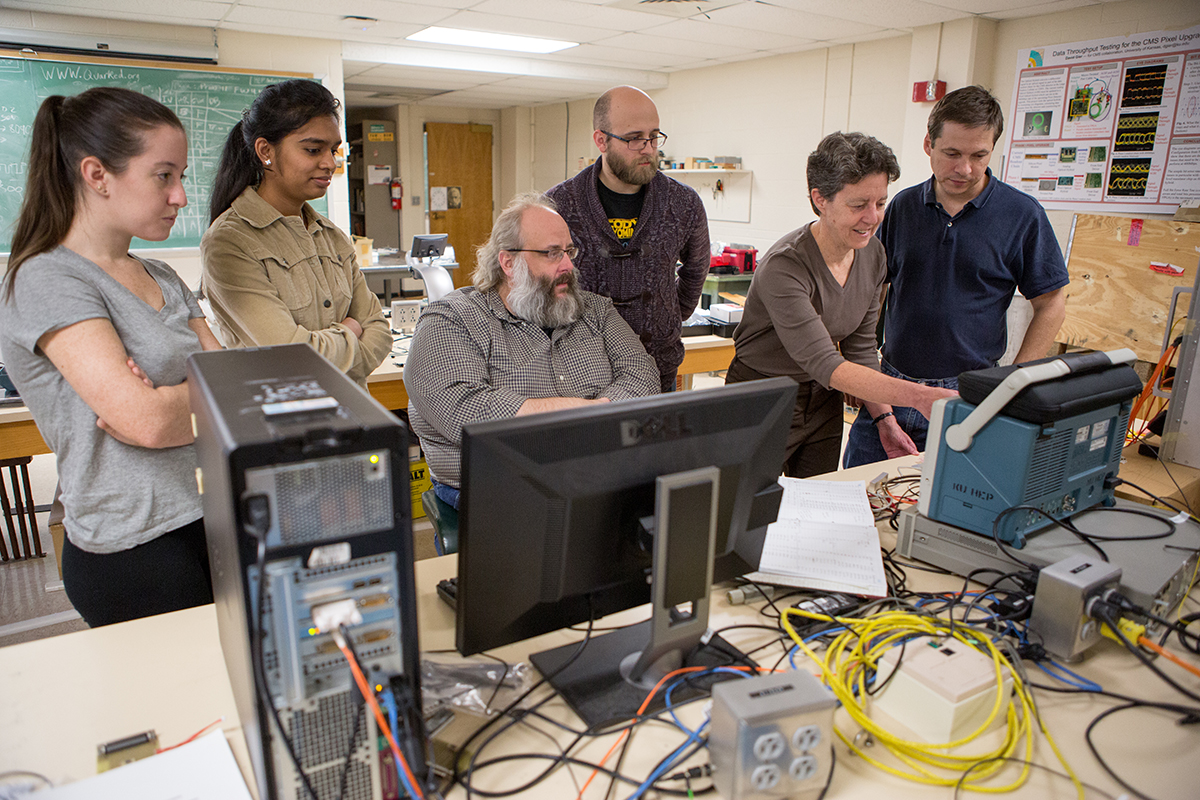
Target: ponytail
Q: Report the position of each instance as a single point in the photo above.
(278, 110)
(239, 168)
(104, 122)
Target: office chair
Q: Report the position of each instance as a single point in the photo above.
(445, 522)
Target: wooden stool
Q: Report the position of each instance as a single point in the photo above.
(20, 514)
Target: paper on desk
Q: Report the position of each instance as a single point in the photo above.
(825, 538)
(202, 770)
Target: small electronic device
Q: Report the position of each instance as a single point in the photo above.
(120, 752)
(575, 502)
(429, 245)
(305, 487)
(942, 691)
(1060, 619)
(1047, 434)
(726, 312)
(1155, 575)
(422, 259)
(771, 736)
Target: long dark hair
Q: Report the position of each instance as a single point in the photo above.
(278, 110)
(105, 122)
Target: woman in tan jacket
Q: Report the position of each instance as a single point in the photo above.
(274, 270)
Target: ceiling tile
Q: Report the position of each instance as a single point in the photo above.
(884, 13)
(674, 8)
(571, 12)
(648, 43)
(619, 57)
(989, 7)
(699, 30)
(1042, 8)
(382, 10)
(759, 16)
(870, 37)
(183, 12)
(474, 21)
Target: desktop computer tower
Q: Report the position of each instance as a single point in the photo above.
(304, 479)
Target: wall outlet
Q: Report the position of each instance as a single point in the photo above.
(771, 737)
(404, 315)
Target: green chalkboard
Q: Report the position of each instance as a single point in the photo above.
(208, 103)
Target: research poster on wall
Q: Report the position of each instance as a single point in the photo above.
(1109, 125)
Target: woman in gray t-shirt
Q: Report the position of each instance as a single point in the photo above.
(96, 341)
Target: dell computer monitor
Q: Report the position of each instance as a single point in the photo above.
(564, 514)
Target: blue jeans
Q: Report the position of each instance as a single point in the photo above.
(863, 445)
(447, 494)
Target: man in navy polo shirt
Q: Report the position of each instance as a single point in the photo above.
(958, 245)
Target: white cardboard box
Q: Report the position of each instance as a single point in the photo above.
(726, 312)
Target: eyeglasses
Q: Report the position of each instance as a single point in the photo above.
(553, 254)
(656, 141)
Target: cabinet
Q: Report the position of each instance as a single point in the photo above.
(729, 202)
(373, 144)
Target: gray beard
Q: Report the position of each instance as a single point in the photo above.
(534, 300)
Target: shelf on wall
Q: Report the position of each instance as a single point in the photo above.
(732, 203)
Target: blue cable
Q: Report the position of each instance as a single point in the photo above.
(388, 701)
(693, 737)
(1080, 682)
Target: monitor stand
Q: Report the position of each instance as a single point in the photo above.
(609, 681)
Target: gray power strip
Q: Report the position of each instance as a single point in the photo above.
(771, 737)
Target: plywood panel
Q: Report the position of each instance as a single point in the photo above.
(1115, 299)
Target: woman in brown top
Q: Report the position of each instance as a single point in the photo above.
(814, 302)
(274, 270)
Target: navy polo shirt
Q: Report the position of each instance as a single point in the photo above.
(952, 279)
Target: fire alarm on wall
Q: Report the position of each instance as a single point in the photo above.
(928, 91)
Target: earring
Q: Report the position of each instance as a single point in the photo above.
(267, 163)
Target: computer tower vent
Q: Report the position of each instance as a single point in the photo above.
(327, 783)
(1048, 465)
(321, 736)
(326, 499)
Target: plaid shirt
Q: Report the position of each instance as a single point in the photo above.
(472, 360)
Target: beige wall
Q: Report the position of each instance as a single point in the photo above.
(773, 111)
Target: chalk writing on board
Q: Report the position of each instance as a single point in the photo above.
(208, 104)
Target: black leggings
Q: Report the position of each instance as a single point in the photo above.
(164, 574)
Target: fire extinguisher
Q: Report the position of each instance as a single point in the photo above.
(397, 190)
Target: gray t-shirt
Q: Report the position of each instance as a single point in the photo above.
(116, 496)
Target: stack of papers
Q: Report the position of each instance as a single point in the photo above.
(825, 539)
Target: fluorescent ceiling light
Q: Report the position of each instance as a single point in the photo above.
(490, 41)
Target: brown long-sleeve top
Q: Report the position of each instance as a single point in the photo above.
(798, 317)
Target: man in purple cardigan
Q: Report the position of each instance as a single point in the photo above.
(633, 225)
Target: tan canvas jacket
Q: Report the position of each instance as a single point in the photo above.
(273, 279)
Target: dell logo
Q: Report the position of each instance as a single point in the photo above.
(655, 428)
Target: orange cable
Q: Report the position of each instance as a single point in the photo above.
(193, 737)
(1142, 640)
(641, 710)
(369, 696)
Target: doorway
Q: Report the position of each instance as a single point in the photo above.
(459, 164)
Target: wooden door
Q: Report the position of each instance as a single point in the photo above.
(460, 155)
